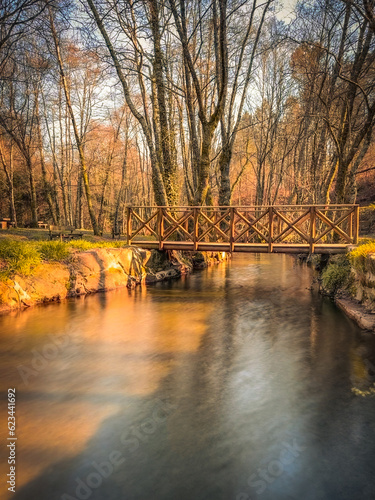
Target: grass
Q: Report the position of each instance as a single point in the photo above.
(22, 256)
(23, 234)
(53, 250)
(89, 245)
(18, 257)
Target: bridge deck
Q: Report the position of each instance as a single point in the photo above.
(242, 247)
(253, 229)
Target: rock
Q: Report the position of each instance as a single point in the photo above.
(202, 260)
(87, 272)
(97, 270)
(357, 312)
(164, 265)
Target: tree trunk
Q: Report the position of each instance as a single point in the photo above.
(33, 200)
(46, 185)
(157, 179)
(204, 172)
(169, 167)
(75, 129)
(224, 165)
(9, 178)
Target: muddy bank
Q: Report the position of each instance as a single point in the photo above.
(97, 270)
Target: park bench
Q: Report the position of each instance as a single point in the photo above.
(64, 233)
(6, 223)
(42, 225)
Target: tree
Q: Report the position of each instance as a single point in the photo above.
(78, 137)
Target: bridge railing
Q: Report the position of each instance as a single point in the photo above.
(236, 226)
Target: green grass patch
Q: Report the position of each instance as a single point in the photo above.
(83, 245)
(90, 245)
(18, 257)
(53, 250)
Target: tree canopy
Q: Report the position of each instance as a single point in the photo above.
(106, 103)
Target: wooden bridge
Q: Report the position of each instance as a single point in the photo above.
(279, 229)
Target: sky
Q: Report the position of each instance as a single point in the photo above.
(287, 11)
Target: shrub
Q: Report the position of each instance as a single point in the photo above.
(18, 257)
(336, 276)
(53, 250)
(358, 255)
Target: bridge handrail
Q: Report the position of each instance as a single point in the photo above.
(327, 206)
(230, 225)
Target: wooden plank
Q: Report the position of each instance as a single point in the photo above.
(128, 225)
(231, 238)
(332, 249)
(244, 247)
(270, 229)
(196, 228)
(251, 247)
(284, 248)
(355, 225)
(312, 228)
(161, 227)
(146, 244)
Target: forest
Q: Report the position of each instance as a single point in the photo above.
(111, 103)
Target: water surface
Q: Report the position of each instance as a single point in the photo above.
(234, 383)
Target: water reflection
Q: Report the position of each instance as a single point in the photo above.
(192, 389)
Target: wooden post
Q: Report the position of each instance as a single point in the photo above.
(350, 224)
(231, 229)
(128, 225)
(270, 229)
(312, 229)
(356, 225)
(161, 227)
(196, 229)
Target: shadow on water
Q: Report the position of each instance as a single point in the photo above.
(252, 398)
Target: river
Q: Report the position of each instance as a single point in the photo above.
(234, 383)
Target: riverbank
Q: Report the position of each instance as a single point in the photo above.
(53, 271)
(350, 281)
